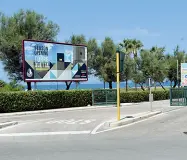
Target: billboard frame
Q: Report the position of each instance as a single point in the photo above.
(45, 41)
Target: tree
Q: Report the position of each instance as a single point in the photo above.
(75, 39)
(93, 51)
(22, 25)
(131, 46)
(102, 60)
(108, 65)
(128, 69)
(138, 76)
(153, 64)
(2, 83)
(172, 65)
(137, 45)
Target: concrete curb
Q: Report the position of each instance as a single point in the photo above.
(61, 110)
(132, 120)
(7, 124)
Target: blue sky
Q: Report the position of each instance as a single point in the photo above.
(160, 22)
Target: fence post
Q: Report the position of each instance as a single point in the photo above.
(106, 91)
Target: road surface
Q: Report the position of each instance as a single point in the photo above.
(158, 138)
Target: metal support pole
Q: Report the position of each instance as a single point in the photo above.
(150, 95)
(35, 88)
(118, 87)
(77, 84)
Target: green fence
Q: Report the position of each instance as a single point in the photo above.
(178, 96)
(104, 96)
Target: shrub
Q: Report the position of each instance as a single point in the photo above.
(38, 100)
(140, 96)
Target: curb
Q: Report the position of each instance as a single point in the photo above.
(129, 121)
(7, 124)
(60, 110)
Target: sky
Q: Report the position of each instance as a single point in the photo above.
(160, 22)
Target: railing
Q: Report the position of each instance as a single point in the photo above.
(104, 96)
(178, 96)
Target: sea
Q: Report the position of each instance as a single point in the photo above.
(82, 85)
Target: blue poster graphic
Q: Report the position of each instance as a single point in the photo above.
(46, 61)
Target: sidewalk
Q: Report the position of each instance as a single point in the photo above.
(145, 106)
(126, 109)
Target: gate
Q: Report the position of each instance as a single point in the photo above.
(178, 96)
(104, 96)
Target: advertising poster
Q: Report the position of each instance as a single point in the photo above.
(184, 74)
(47, 61)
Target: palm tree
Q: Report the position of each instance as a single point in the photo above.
(128, 45)
(137, 45)
(133, 46)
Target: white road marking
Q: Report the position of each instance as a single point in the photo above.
(43, 133)
(87, 121)
(71, 121)
(94, 131)
(23, 123)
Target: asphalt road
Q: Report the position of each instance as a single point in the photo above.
(84, 121)
(158, 138)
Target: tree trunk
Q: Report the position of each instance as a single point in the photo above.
(77, 85)
(104, 84)
(68, 85)
(136, 86)
(126, 85)
(142, 87)
(175, 84)
(162, 86)
(170, 83)
(110, 84)
(155, 85)
(29, 86)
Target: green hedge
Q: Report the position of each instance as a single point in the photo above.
(38, 100)
(140, 96)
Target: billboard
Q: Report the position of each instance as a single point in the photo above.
(51, 61)
(184, 74)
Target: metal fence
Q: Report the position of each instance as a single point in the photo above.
(104, 96)
(178, 96)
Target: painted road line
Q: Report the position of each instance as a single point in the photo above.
(71, 121)
(43, 133)
(24, 123)
(94, 131)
